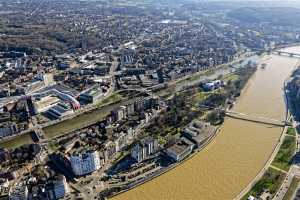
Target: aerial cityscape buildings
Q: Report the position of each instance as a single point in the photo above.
(99, 97)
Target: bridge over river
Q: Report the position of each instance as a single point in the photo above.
(257, 119)
(251, 118)
(239, 152)
(285, 53)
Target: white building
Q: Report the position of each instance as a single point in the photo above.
(212, 85)
(180, 150)
(121, 113)
(4, 185)
(251, 198)
(144, 149)
(44, 103)
(85, 163)
(110, 150)
(61, 187)
(46, 78)
(130, 134)
(138, 153)
(121, 142)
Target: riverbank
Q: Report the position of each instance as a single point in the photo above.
(281, 166)
(67, 124)
(247, 191)
(244, 194)
(227, 165)
(169, 168)
(244, 77)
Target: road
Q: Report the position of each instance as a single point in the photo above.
(294, 171)
(89, 107)
(91, 185)
(271, 158)
(179, 83)
(295, 168)
(217, 71)
(37, 8)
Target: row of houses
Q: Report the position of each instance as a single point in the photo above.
(54, 189)
(89, 158)
(83, 161)
(137, 106)
(7, 130)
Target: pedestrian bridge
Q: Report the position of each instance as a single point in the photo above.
(257, 119)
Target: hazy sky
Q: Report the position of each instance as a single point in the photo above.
(291, 3)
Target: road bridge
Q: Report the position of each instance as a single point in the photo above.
(285, 53)
(257, 119)
(251, 118)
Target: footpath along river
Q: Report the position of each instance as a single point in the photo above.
(241, 149)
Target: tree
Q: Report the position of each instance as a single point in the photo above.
(216, 117)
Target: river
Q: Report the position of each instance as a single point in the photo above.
(241, 149)
(98, 114)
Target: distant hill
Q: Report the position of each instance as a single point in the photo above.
(283, 16)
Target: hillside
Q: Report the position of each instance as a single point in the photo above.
(278, 15)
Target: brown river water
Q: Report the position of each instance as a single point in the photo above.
(240, 150)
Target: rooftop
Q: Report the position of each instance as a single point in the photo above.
(93, 91)
(198, 131)
(47, 101)
(180, 146)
